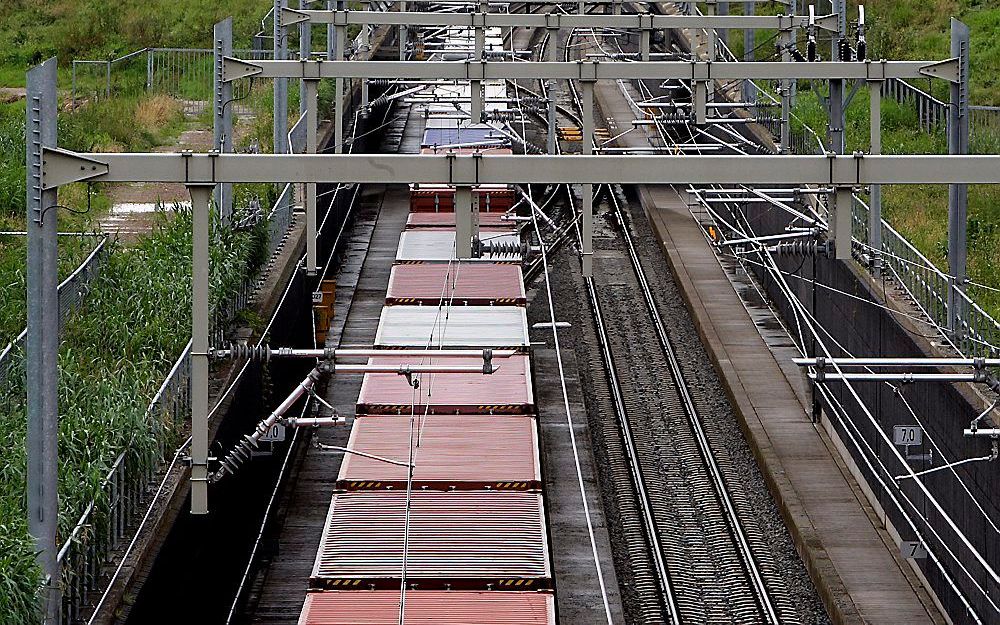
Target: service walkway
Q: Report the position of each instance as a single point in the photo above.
(854, 564)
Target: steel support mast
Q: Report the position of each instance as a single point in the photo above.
(42, 371)
(958, 194)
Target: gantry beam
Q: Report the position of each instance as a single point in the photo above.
(636, 21)
(948, 69)
(63, 167)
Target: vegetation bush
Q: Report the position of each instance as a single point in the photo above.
(115, 354)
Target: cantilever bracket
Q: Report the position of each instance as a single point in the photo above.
(234, 69)
(828, 23)
(290, 17)
(61, 167)
(948, 69)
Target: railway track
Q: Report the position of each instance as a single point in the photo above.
(704, 562)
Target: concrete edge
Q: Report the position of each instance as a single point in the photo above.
(808, 543)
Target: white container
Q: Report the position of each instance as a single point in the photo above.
(439, 245)
(459, 326)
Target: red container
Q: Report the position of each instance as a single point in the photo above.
(441, 198)
(506, 391)
(447, 220)
(455, 452)
(457, 541)
(482, 284)
(429, 607)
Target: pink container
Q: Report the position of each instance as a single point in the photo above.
(429, 607)
(506, 391)
(481, 284)
(456, 452)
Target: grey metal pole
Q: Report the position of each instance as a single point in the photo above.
(338, 91)
(786, 95)
(644, 37)
(331, 31)
(463, 222)
(837, 120)
(723, 9)
(712, 35)
(365, 50)
(149, 69)
(840, 222)
(553, 52)
(200, 207)
(403, 35)
(587, 90)
(280, 84)
(305, 51)
(875, 206)
(222, 124)
(312, 103)
(749, 39)
(476, 87)
(43, 335)
(280, 108)
(958, 194)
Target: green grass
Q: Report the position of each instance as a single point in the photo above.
(920, 29)
(31, 31)
(920, 212)
(114, 355)
(116, 350)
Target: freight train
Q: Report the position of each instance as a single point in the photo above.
(473, 526)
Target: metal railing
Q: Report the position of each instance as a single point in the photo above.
(127, 486)
(182, 73)
(932, 113)
(960, 320)
(972, 331)
(101, 529)
(72, 290)
(280, 219)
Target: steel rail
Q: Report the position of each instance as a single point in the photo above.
(737, 531)
(719, 482)
(668, 596)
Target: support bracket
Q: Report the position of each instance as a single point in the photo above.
(948, 69)
(234, 69)
(290, 17)
(61, 167)
(828, 23)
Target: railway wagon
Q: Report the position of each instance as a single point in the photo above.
(476, 138)
(440, 198)
(462, 540)
(438, 245)
(442, 219)
(508, 390)
(479, 284)
(463, 326)
(456, 452)
(429, 607)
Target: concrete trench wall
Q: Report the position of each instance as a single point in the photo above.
(944, 411)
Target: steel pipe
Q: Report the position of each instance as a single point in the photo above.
(895, 377)
(898, 362)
